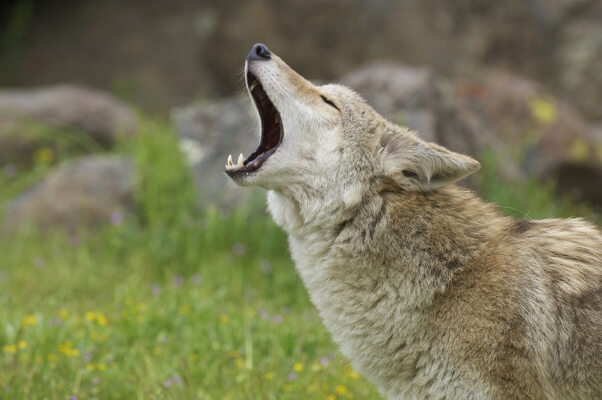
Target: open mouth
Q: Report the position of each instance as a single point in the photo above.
(272, 132)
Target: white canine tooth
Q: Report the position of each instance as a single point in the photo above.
(240, 160)
(253, 85)
(230, 163)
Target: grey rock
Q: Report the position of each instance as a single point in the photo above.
(210, 131)
(402, 93)
(62, 107)
(533, 132)
(580, 66)
(81, 194)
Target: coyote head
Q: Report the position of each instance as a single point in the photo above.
(326, 143)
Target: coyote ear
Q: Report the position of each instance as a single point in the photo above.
(420, 165)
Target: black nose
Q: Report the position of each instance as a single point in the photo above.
(259, 51)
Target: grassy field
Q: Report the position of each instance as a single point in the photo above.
(177, 303)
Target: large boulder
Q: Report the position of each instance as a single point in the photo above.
(63, 110)
(542, 132)
(404, 94)
(210, 131)
(579, 61)
(534, 133)
(81, 194)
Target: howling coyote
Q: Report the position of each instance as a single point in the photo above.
(429, 291)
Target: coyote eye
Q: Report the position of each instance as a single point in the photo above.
(330, 103)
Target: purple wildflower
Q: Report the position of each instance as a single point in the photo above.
(265, 266)
(155, 289)
(116, 217)
(277, 318)
(167, 383)
(324, 361)
(263, 314)
(292, 376)
(73, 239)
(239, 249)
(95, 380)
(177, 281)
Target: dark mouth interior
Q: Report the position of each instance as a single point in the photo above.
(271, 127)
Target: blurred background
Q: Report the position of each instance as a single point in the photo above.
(131, 267)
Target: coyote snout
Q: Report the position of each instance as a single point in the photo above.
(429, 291)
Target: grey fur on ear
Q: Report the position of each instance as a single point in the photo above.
(419, 165)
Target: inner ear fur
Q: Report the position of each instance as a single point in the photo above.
(416, 164)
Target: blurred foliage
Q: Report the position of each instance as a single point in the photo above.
(11, 36)
(529, 198)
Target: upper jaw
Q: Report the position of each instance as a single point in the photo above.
(272, 130)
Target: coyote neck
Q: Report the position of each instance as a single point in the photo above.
(429, 237)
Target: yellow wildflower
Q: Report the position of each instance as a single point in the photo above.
(313, 387)
(331, 397)
(22, 344)
(90, 367)
(44, 155)
(101, 366)
(194, 357)
(101, 319)
(340, 389)
(543, 110)
(268, 376)
(63, 314)
(29, 320)
(239, 363)
(579, 150)
(315, 367)
(251, 313)
(351, 373)
(298, 367)
(9, 348)
(224, 318)
(51, 357)
(287, 387)
(68, 350)
(97, 317)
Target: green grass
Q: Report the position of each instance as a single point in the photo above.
(177, 303)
